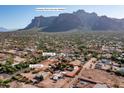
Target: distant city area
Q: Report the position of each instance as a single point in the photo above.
(72, 50)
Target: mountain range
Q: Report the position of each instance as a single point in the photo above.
(3, 29)
(78, 19)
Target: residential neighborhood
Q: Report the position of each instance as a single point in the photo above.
(62, 60)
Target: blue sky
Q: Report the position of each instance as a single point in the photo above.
(19, 16)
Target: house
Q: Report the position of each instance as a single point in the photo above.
(36, 66)
(103, 64)
(107, 55)
(101, 86)
(105, 48)
(38, 78)
(62, 54)
(49, 54)
(57, 76)
(106, 61)
(30, 49)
